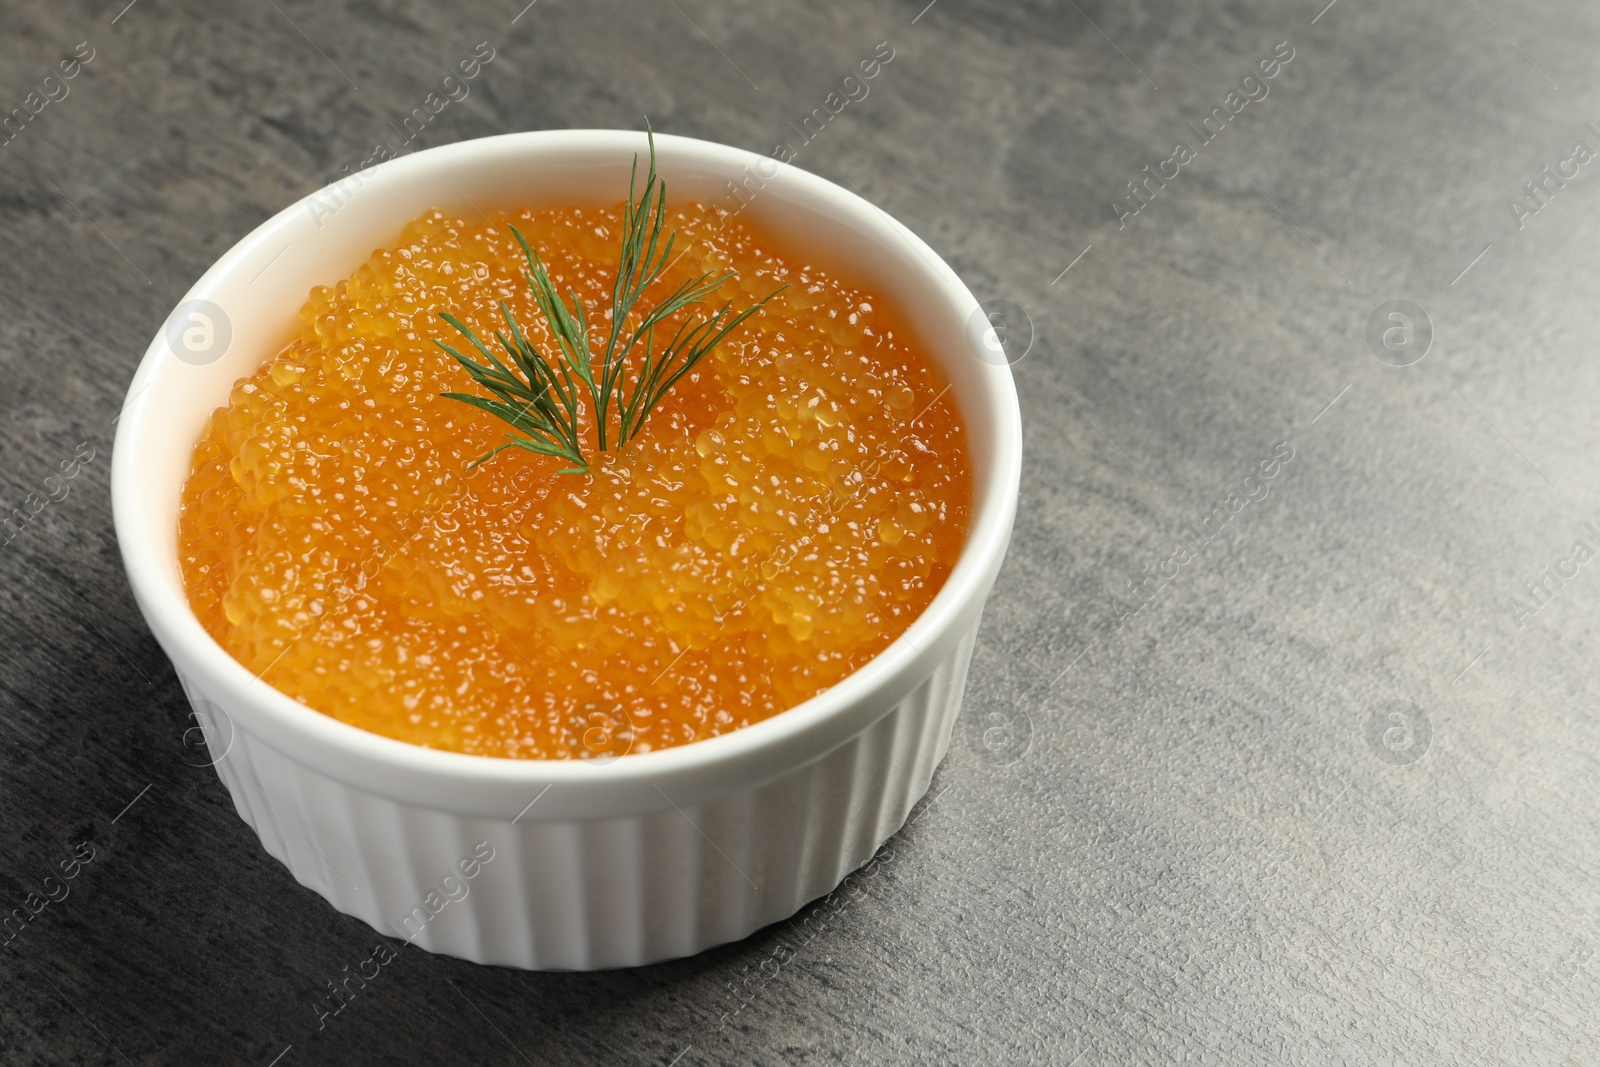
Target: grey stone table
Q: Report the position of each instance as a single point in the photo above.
(1280, 744)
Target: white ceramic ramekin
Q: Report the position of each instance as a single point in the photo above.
(564, 864)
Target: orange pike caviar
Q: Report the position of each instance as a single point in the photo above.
(788, 510)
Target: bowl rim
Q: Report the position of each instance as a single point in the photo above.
(762, 749)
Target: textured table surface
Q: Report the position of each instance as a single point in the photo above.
(1289, 769)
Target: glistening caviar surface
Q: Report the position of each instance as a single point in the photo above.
(788, 510)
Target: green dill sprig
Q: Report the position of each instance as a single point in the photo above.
(540, 398)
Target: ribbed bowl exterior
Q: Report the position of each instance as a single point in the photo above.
(569, 894)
